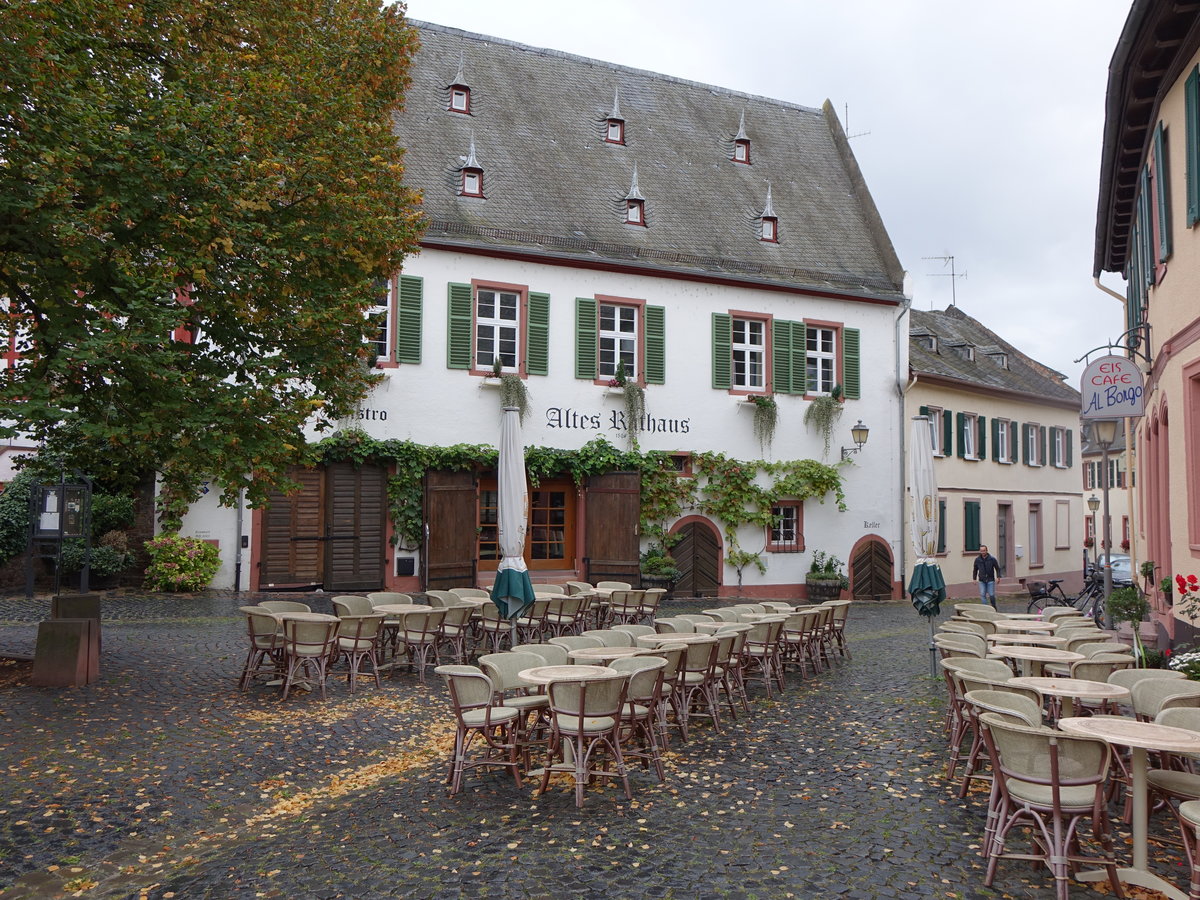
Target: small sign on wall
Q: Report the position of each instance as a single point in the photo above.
(1112, 387)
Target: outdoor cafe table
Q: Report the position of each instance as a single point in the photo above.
(763, 617)
(547, 674)
(1036, 656)
(396, 609)
(1140, 737)
(305, 616)
(1070, 688)
(1023, 625)
(1040, 640)
(687, 637)
(722, 627)
(604, 654)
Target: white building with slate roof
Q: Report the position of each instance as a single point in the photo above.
(583, 216)
(1006, 454)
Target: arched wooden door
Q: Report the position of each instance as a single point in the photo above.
(871, 570)
(698, 555)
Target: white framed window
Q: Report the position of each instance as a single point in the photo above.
(1002, 430)
(749, 353)
(1033, 445)
(460, 98)
(935, 430)
(786, 533)
(970, 433)
(618, 340)
(821, 359)
(741, 151)
(614, 133)
(497, 329)
(380, 345)
(472, 182)
(1060, 447)
(770, 229)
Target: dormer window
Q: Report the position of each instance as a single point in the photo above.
(741, 151)
(460, 99)
(928, 341)
(770, 229)
(966, 351)
(472, 182)
(615, 131)
(635, 212)
(1000, 359)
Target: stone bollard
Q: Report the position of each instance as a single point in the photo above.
(67, 653)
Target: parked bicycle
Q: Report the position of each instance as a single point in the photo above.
(1089, 601)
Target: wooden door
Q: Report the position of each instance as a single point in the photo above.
(448, 554)
(611, 544)
(292, 551)
(355, 527)
(698, 555)
(871, 571)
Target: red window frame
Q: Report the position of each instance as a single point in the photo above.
(608, 127)
(773, 222)
(466, 92)
(635, 213)
(796, 546)
(743, 145)
(478, 173)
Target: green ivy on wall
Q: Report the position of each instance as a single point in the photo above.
(729, 492)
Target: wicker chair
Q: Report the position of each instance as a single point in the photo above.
(265, 656)
(350, 605)
(419, 633)
(477, 717)
(611, 637)
(639, 715)
(587, 716)
(553, 654)
(307, 648)
(357, 640)
(697, 687)
(280, 606)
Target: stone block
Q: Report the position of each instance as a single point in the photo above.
(67, 653)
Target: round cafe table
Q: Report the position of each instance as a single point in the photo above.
(721, 627)
(1023, 625)
(1037, 640)
(604, 654)
(1035, 656)
(1139, 737)
(1067, 689)
(547, 674)
(396, 609)
(305, 617)
(653, 640)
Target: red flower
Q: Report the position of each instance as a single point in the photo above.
(1192, 579)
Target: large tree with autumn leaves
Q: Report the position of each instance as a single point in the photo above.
(224, 169)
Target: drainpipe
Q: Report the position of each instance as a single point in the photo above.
(1130, 456)
(237, 559)
(901, 389)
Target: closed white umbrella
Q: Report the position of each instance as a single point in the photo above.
(927, 588)
(513, 590)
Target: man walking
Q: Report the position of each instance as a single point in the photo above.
(987, 567)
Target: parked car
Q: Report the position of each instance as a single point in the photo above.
(1122, 573)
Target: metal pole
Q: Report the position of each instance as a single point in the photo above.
(932, 652)
(1108, 551)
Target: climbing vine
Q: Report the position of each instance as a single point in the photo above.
(729, 490)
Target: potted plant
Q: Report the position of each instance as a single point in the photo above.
(823, 413)
(514, 393)
(659, 569)
(766, 417)
(826, 579)
(1128, 605)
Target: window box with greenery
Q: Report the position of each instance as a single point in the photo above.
(826, 579)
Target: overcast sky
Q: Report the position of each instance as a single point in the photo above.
(978, 126)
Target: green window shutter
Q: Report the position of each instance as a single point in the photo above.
(799, 358)
(537, 345)
(722, 350)
(408, 319)
(996, 425)
(941, 544)
(1026, 449)
(1014, 437)
(460, 327)
(1146, 247)
(587, 338)
(947, 434)
(1162, 193)
(1070, 440)
(971, 524)
(1192, 109)
(656, 345)
(923, 411)
(960, 428)
(781, 358)
(981, 440)
(1042, 444)
(850, 367)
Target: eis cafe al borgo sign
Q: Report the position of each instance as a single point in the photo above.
(1112, 388)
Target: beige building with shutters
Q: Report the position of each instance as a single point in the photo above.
(1004, 430)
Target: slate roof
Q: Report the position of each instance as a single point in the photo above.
(553, 186)
(953, 327)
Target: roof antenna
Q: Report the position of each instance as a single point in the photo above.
(952, 275)
(849, 136)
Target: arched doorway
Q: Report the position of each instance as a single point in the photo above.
(871, 569)
(698, 555)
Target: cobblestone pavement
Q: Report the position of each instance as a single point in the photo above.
(162, 780)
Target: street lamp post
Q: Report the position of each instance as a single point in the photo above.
(1093, 504)
(1105, 432)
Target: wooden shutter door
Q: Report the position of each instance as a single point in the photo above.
(611, 545)
(587, 338)
(871, 571)
(292, 530)
(698, 555)
(355, 510)
(451, 517)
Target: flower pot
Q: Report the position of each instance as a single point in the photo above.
(820, 591)
(651, 581)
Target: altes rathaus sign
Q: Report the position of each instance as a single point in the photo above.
(612, 420)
